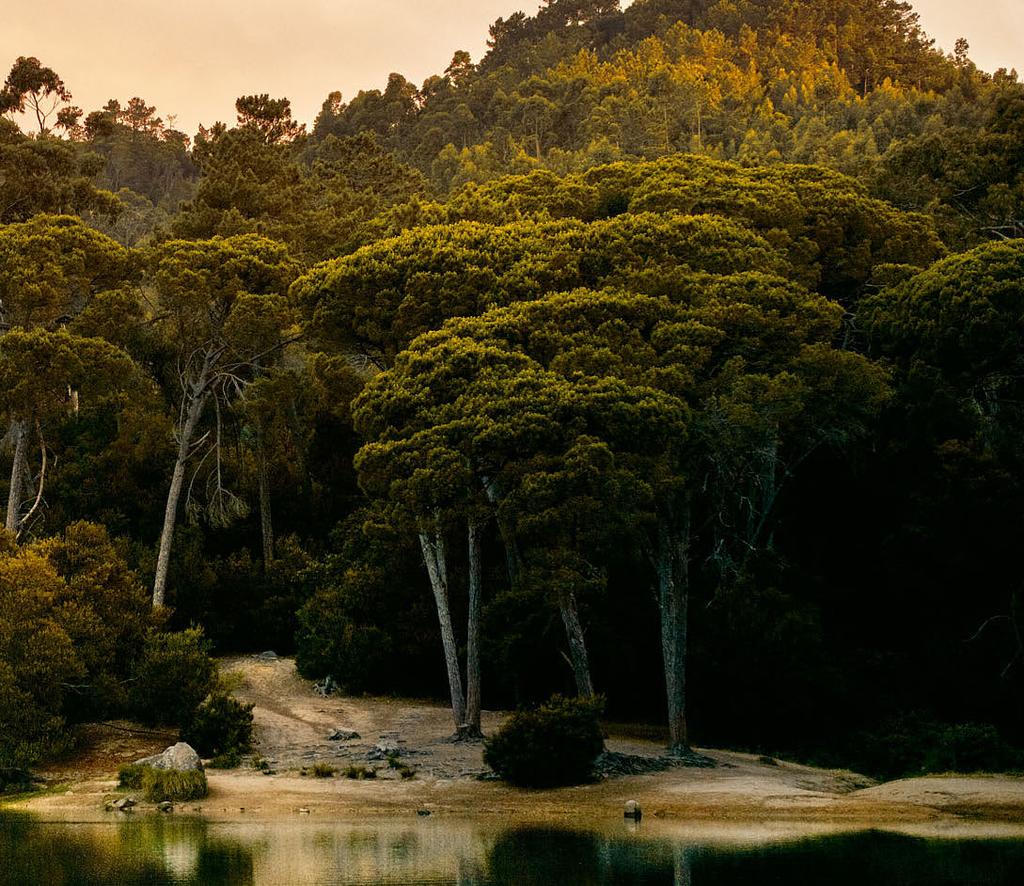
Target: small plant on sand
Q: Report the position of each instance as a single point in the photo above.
(228, 760)
(404, 769)
(158, 785)
(323, 770)
(360, 772)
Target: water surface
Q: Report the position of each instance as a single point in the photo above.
(178, 850)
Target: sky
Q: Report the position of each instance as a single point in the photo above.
(192, 58)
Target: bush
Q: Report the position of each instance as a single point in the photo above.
(913, 744)
(323, 770)
(220, 725)
(554, 744)
(169, 784)
(360, 772)
(130, 776)
(228, 760)
(158, 785)
(172, 677)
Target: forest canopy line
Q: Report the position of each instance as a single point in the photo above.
(668, 354)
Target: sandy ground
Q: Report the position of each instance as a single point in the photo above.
(292, 725)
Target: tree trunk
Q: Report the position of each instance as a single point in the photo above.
(185, 435)
(437, 569)
(513, 559)
(472, 724)
(19, 430)
(266, 516)
(673, 597)
(577, 643)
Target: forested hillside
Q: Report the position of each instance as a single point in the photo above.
(670, 353)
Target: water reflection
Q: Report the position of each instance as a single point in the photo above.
(176, 850)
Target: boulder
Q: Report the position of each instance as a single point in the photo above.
(166, 806)
(180, 757)
(385, 748)
(123, 805)
(269, 655)
(341, 734)
(632, 810)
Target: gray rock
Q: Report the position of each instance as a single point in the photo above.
(341, 734)
(269, 655)
(180, 757)
(123, 805)
(385, 748)
(166, 806)
(632, 810)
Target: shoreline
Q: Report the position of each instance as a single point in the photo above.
(292, 728)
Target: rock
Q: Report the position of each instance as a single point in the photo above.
(423, 812)
(302, 810)
(166, 806)
(269, 655)
(123, 805)
(180, 757)
(385, 748)
(325, 687)
(341, 734)
(632, 810)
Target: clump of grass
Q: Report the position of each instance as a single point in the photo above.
(130, 777)
(261, 764)
(323, 770)
(360, 772)
(404, 769)
(158, 785)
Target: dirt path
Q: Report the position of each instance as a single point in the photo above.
(291, 732)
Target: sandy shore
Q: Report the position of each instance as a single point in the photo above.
(292, 726)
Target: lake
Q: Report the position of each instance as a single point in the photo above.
(180, 850)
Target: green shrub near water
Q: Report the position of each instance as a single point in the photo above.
(220, 726)
(554, 744)
(158, 785)
(172, 677)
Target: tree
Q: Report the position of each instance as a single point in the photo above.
(35, 87)
(270, 117)
(221, 305)
(50, 269)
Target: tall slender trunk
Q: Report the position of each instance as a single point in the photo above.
(473, 630)
(507, 531)
(672, 564)
(577, 644)
(266, 515)
(15, 493)
(185, 435)
(437, 569)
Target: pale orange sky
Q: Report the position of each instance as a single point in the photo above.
(192, 58)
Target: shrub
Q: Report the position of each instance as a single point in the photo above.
(158, 785)
(130, 776)
(554, 744)
(169, 784)
(360, 772)
(220, 725)
(323, 770)
(228, 760)
(913, 744)
(172, 677)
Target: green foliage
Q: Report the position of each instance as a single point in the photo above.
(221, 725)
(554, 744)
(159, 785)
(172, 677)
(360, 772)
(916, 745)
(231, 759)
